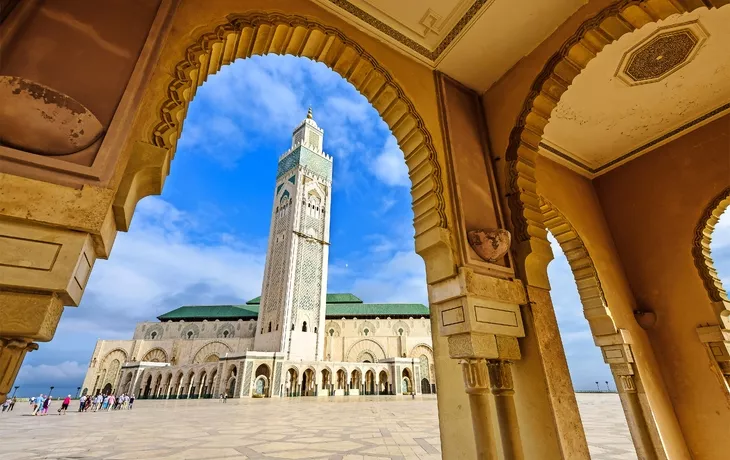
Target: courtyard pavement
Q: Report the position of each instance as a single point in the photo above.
(344, 428)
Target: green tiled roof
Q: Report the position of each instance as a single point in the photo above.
(382, 310)
(331, 298)
(338, 306)
(201, 312)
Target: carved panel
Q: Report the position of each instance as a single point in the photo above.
(665, 51)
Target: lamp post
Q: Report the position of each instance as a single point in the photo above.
(16, 389)
(51, 391)
(608, 387)
(598, 387)
(413, 378)
(78, 392)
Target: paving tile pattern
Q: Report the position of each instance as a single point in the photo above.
(362, 428)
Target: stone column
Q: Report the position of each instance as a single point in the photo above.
(480, 316)
(617, 353)
(41, 270)
(476, 382)
(500, 380)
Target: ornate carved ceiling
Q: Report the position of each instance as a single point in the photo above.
(642, 91)
(473, 41)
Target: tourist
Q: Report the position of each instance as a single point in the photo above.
(110, 403)
(105, 402)
(131, 401)
(6, 405)
(64, 405)
(12, 403)
(46, 405)
(87, 406)
(221, 397)
(225, 396)
(82, 403)
(37, 404)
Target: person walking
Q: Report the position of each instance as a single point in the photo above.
(131, 401)
(12, 403)
(110, 403)
(6, 405)
(46, 405)
(82, 403)
(64, 405)
(37, 404)
(225, 396)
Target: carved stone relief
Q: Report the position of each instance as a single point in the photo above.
(490, 244)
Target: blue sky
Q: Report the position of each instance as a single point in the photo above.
(204, 240)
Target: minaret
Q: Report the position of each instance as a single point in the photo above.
(293, 295)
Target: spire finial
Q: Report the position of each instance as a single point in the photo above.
(309, 113)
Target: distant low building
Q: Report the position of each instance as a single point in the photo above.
(294, 339)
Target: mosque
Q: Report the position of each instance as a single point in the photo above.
(294, 340)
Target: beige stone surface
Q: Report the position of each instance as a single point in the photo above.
(290, 428)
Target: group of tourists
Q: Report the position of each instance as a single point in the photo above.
(105, 402)
(9, 404)
(40, 405)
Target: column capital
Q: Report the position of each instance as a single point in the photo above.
(12, 352)
(500, 376)
(474, 371)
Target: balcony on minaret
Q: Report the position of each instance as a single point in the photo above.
(308, 134)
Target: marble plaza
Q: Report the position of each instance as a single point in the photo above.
(342, 428)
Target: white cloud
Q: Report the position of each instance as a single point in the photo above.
(62, 372)
(390, 166)
(159, 260)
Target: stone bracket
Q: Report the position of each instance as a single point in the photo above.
(717, 341)
(35, 258)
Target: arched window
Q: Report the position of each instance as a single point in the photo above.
(366, 331)
(153, 335)
(277, 327)
(304, 326)
(190, 334)
(225, 334)
(332, 332)
(292, 326)
(400, 331)
(315, 330)
(269, 326)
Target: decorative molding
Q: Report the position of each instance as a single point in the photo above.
(572, 57)
(262, 33)
(595, 306)
(411, 44)
(701, 248)
(642, 148)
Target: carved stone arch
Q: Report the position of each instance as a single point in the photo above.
(610, 24)
(225, 331)
(156, 355)
(703, 258)
(204, 353)
(400, 324)
(371, 327)
(421, 349)
(258, 33)
(592, 297)
(333, 326)
(154, 332)
(365, 346)
(116, 353)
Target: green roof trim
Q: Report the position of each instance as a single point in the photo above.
(331, 298)
(201, 312)
(382, 310)
(338, 308)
